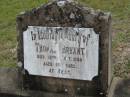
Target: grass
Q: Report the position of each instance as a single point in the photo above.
(120, 38)
(9, 9)
(8, 12)
(119, 8)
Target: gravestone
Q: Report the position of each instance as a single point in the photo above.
(64, 49)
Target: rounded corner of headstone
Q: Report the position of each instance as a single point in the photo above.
(95, 31)
(25, 28)
(95, 78)
(25, 71)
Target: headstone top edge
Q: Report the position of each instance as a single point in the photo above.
(60, 3)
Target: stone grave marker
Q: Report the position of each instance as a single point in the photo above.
(65, 48)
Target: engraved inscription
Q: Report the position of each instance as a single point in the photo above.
(62, 52)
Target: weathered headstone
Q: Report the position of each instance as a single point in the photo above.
(65, 48)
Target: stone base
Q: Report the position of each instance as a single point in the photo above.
(11, 86)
